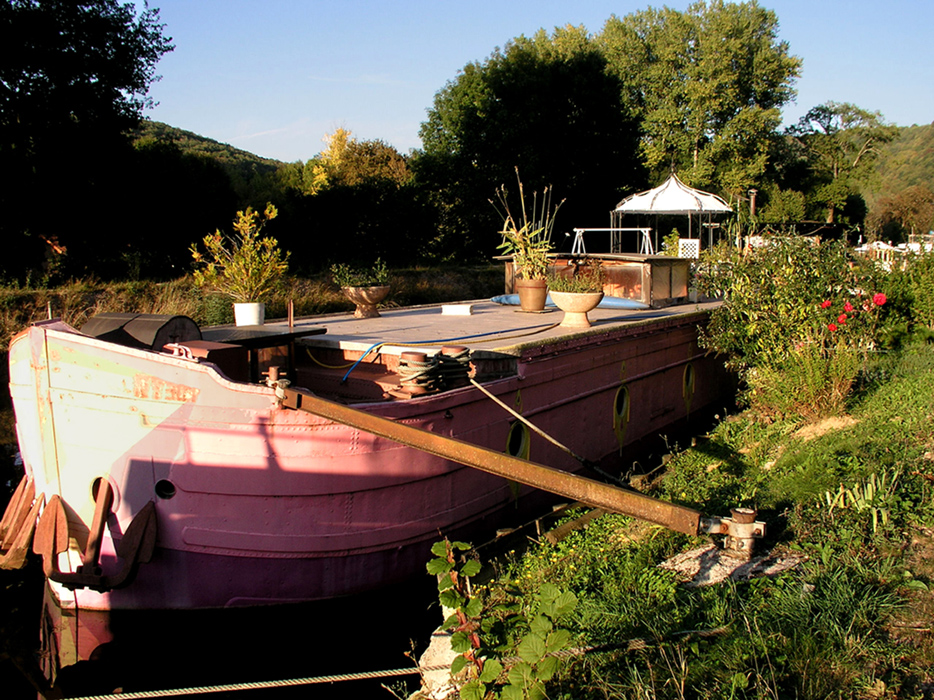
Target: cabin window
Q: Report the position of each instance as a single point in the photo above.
(518, 440)
(690, 378)
(621, 407)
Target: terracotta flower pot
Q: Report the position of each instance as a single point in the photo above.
(575, 306)
(532, 294)
(366, 299)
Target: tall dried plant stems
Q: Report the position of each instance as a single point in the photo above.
(527, 238)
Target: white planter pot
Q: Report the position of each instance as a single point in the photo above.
(575, 307)
(250, 314)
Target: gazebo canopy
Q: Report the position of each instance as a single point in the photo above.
(673, 197)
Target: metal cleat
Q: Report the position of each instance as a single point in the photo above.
(278, 384)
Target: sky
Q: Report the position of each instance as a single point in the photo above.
(274, 76)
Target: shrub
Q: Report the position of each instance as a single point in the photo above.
(345, 275)
(507, 647)
(245, 267)
(670, 243)
(920, 272)
(583, 279)
(799, 317)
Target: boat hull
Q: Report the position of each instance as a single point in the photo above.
(257, 504)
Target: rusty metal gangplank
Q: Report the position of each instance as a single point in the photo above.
(573, 486)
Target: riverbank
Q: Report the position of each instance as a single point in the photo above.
(851, 498)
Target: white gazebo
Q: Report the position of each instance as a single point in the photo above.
(673, 198)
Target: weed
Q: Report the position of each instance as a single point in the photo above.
(507, 648)
(872, 496)
(854, 493)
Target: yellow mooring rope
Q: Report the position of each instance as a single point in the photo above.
(204, 690)
(626, 646)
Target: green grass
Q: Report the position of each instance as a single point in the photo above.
(77, 301)
(852, 621)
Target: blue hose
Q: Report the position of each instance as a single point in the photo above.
(606, 303)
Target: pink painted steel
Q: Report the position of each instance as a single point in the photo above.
(260, 504)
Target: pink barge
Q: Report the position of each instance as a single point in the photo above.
(177, 474)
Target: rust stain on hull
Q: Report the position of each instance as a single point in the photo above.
(146, 386)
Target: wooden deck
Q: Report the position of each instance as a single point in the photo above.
(491, 327)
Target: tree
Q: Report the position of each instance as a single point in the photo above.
(905, 161)
(74, 79)
(346, 161)
(840, 142)
(358, 223)
(707, 85)
(910, 211)
(544, 104)
(782, 207)
(172, 199)
(353, 202)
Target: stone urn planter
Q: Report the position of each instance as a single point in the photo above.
(575, 306)
(366, 299)
(532, 294)
(249, 314)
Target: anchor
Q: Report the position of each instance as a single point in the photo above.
(136, 546)
(18, 525)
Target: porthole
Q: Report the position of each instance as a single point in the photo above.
(518, 440)
(687, 390)
(621, 408)
(96, 487)
(165, 489)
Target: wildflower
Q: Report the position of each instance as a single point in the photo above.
(825, 304)
(841, 319)
(878, 298)
(848, 307)
(832, 327)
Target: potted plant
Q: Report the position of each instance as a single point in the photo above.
(246, 267)
(527, 239)
(365, 287)
(577, 292)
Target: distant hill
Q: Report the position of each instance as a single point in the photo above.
(240, 164)
(907, 160)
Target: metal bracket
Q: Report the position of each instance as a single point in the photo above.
(182, 351)
(741, 530)
(567, 484)
(277, 384)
